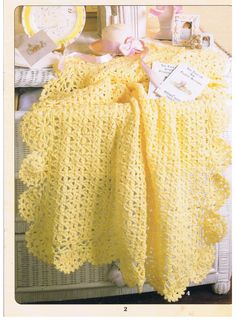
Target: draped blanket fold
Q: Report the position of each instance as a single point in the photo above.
(113, 175)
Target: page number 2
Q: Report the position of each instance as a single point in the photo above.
(125, 309)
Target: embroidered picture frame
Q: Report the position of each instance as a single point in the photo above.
(207, 40)
(183, 28)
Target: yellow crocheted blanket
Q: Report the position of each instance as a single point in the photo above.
(114, 175)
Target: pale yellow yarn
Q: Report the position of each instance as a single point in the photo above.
(114, 175)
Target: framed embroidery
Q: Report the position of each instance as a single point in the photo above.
(207, 40)
(183, 28)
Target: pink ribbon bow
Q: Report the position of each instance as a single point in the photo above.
(131, 46)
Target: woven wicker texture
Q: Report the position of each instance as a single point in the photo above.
(25, 77)
(113, 175)
(33, 273)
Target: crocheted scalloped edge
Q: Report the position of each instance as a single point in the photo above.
(213, 224)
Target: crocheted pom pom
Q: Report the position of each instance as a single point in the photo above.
(32, 168)
(29, 204)
(215, 227)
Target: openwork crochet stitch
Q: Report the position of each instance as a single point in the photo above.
(114, 175)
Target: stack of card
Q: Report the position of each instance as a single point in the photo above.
(177, 83)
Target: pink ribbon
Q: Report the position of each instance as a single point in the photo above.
(159, 10)
(131, 46)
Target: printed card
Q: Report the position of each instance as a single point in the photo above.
(162, 71)
(36, 47)
(184, 84)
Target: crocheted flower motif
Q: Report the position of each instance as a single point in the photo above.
(32, 169)
(215, 227)
(30, 204)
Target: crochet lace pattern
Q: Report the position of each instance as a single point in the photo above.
(113, 175)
